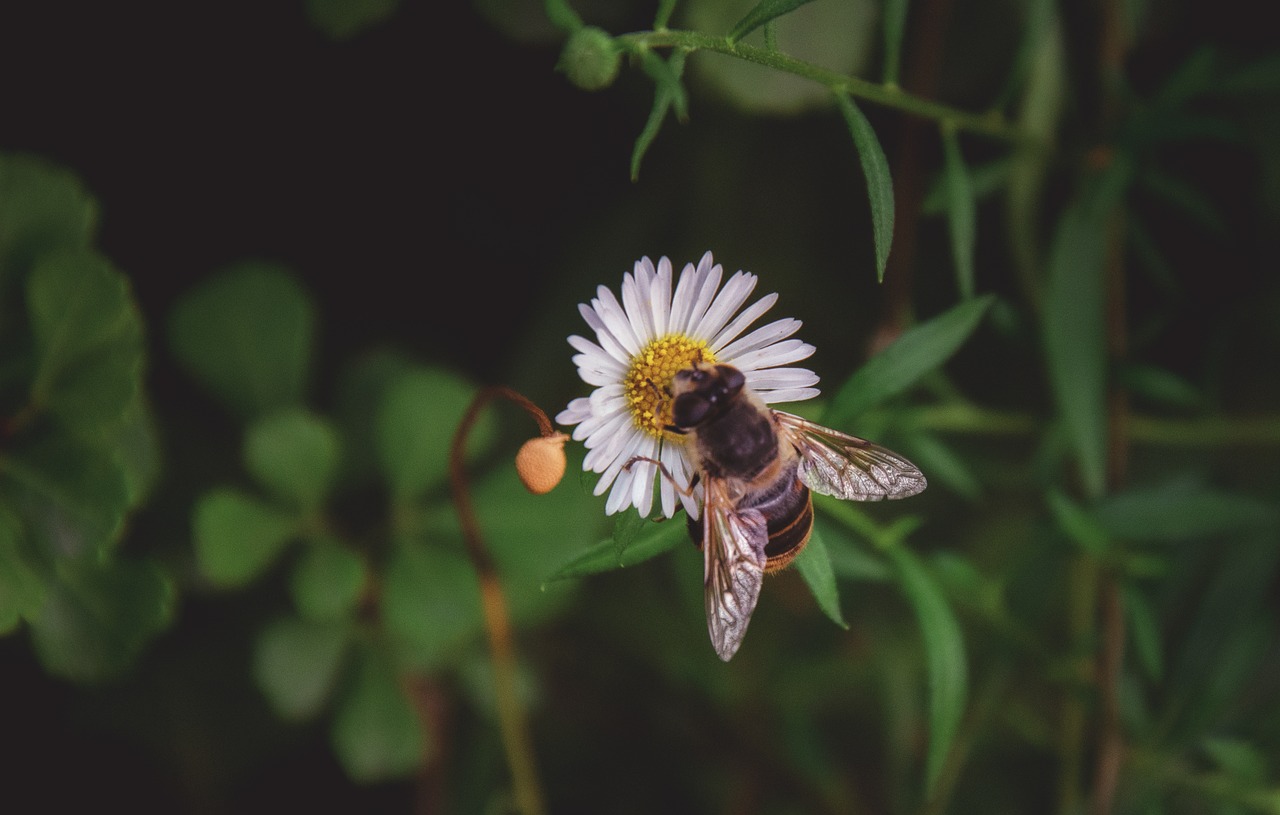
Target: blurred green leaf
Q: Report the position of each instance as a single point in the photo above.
(327, 580)
(376, 733)
(1261, 76)
(761, 13)
(943, 464)
(819, 575)
(605, 555)
(1077, 524)
(668, 93)
(293, 454)
(88, 336)
(984, 179)
(1239, 759)
(21, 589)
(430, 604)
(238, 536)
(915, 353)
(344, 19)
(297, 663)
(849, 560)
(97, 616)
(1160, 386)
(962, 215)
(137, 445)
(1180, 510)
(1075, 330)
(416, 424)
(1144, 633)
(1177, 193)
(246, 335)
(74, 496)
(42, 207)
(894, 27)
(875, 168)
(944, 656)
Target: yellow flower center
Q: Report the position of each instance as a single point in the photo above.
(648, 381)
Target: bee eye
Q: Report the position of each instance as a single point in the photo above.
(689, 410)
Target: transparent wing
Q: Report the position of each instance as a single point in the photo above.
(834, 463)
(733, 550)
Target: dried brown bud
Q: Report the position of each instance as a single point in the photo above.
(540, 462)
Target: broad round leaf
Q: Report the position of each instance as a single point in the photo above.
(327, 580)
(293, 454)
(246, 335)
(430, 603)
(238, 536)
(42, 207)
(297, 663)
(21, 589)
(376, 733)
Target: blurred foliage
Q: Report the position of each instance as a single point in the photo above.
(1079, 614)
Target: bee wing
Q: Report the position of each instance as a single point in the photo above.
(733, 550)
(834, 463)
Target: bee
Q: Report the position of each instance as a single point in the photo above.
(758, 467)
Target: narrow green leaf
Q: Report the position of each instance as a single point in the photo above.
(294, 454)
(961, 213)
(815, 567)
(238, 537)
(984, 180)
(944, 653)
(246, 335)
(1181, 510)
(849, 560)
(297, 663)
(663, 15)
(1261, 76)
(327, 581)
(895, 26)
(98, 616)
(344, 19)
(875, 168)
(1160, 386)
(943, 464)
(376, 734)
(1077, 524)
(21, 589)
(88, 336)
(416, 422)
(430, 604)
(1075, 335)
(562, 15)
(668, 93)
(914, 354)
(763, 12)
(1144, 633)
(605, 555)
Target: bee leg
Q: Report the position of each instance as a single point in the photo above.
(662, 468)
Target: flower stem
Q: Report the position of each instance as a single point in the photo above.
(516, 739)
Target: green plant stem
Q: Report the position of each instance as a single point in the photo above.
(516, 739)
(992, 124)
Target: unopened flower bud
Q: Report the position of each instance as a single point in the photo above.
(540, 462)
(590, 59)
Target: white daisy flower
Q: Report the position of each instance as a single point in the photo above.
(640, 345)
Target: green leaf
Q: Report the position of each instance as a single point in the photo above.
(97, 616)
(376, 733)
(984, 180)
(344, 19)
(74, 496)
(763, 12)
(88, 338)
(895, 26)
(915, 353)
(668, 93)
(944, 657)
(849, 560)
(42, 207)
(815, 567)
(1160, 386)
(1075, 333)
(293, 454)
(238, 537)
(875, 168)
(246, 335)
(1181, 510)
(1144, 633)
(960, 208)
(605, 556)
(297, 663)
(1077, 524)
(430, 604)
(327, 581)
(416, 424)
(21, 589)
(943, 464)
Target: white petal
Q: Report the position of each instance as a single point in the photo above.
(774, 356)
(611, 344)
(705, 283)
(740, 323)
(775, 378)
(576, 411)
(634, 301)
(764, 335)
(616, 320)
(660, 297)
(727, 302)
(788, 395)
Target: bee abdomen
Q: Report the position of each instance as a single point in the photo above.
(789, 528)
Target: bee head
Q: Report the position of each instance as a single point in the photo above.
(703, 390)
